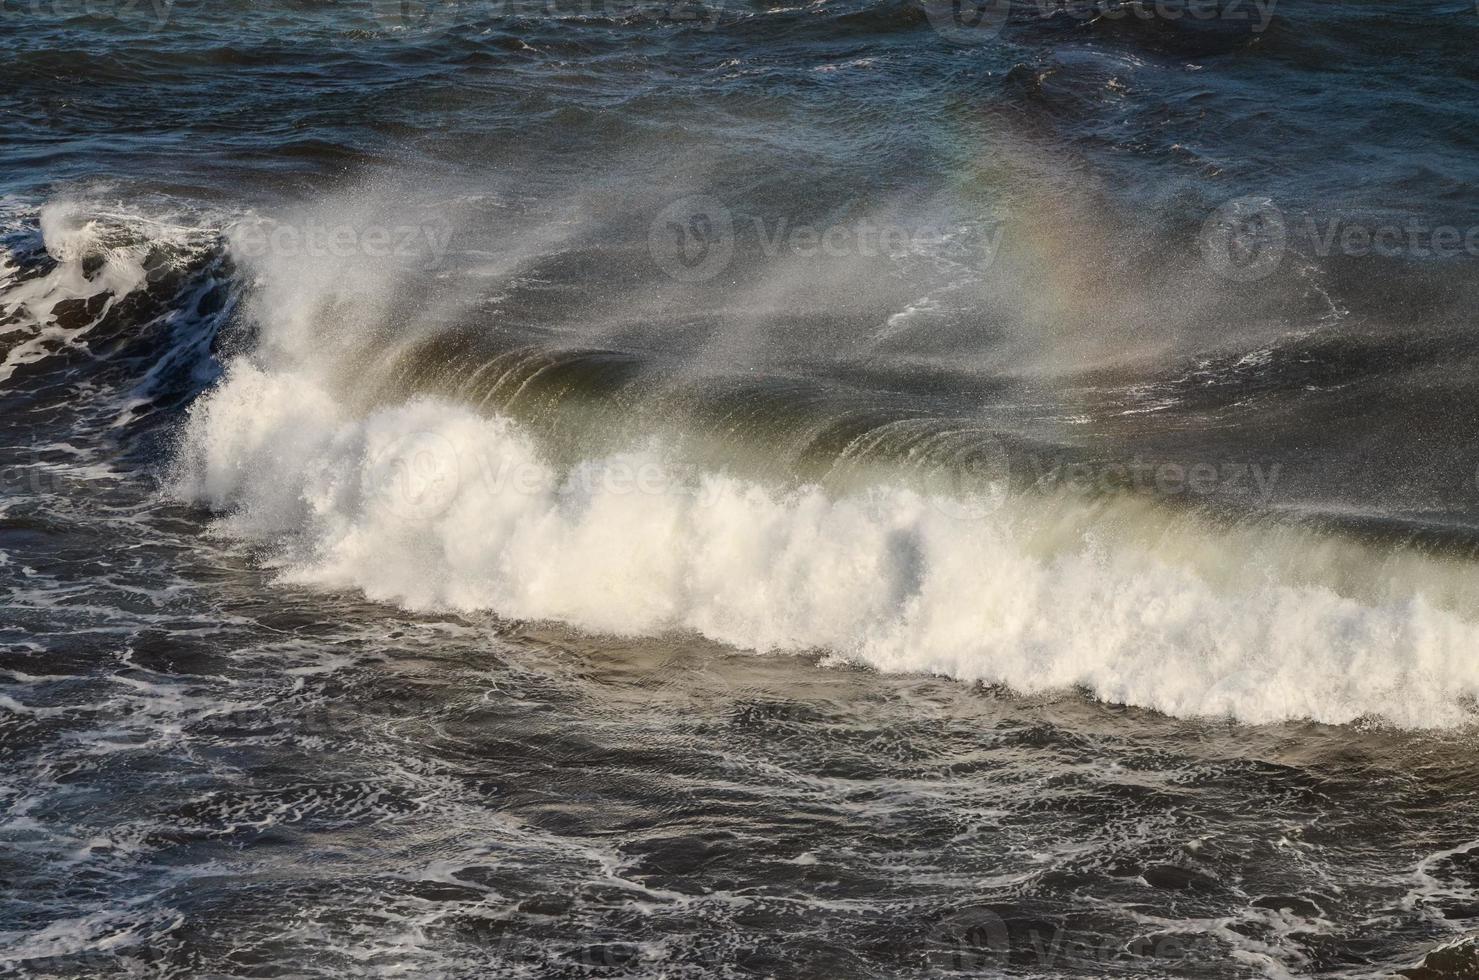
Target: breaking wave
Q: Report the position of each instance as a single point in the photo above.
(330, 450)
(431, 502)
(431, 505)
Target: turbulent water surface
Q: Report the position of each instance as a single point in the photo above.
(846, 489)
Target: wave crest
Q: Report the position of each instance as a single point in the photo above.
(432, 506)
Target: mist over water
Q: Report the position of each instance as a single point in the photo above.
(738, 490)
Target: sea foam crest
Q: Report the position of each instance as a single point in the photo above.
(429, 504)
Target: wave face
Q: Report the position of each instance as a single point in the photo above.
(921, 554)
(432, 506)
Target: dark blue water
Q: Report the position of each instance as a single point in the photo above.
(723, 488)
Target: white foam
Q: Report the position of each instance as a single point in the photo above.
(73, 232)
(430, 505)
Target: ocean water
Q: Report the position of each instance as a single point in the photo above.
(729, 488)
